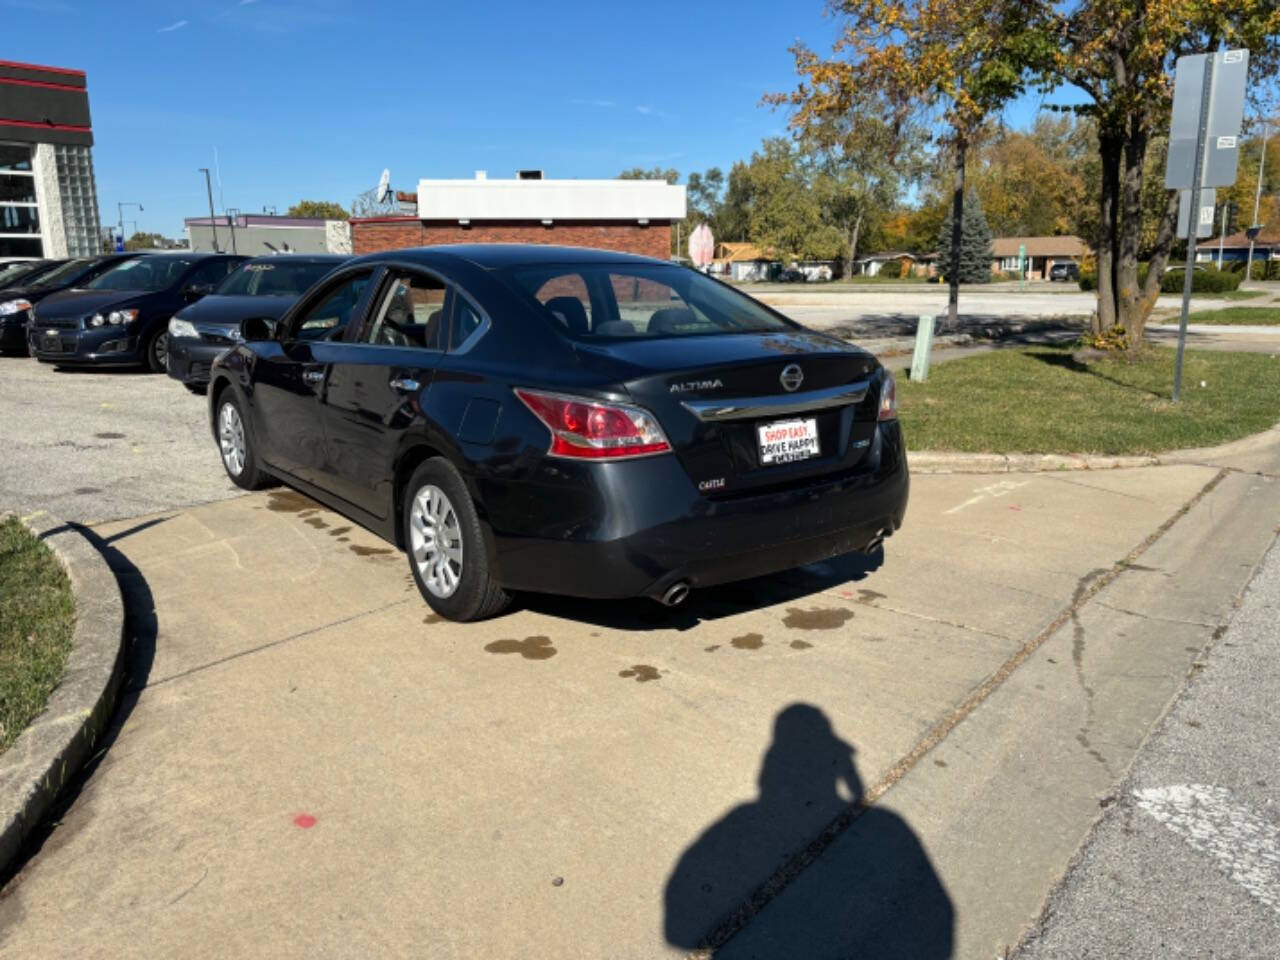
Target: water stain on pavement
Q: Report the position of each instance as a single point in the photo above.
(939, 763)
(339, 531)
(800, 645)
(531, 648)
(748, 641)
(109, 436)
(713, 648)
(288, 501)
(869, 596)
(816, 618)
(85, 491)
(433, 618)
(317, 523)
(360, 551)
(642, 672)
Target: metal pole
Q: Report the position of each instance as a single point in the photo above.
(208, 185)
(1257, 199)
(232, 214)
(1193, 225)
(1222, 233)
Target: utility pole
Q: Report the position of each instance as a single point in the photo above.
(1257, 199)
(208, 185)
(232, 214)
(120, 211)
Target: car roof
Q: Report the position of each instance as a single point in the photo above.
(301, 258)
(493, 255)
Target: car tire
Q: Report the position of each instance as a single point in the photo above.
(157, 359)
(235, 446)
(454, 576)
(199, 389)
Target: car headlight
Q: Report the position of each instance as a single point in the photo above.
(182, 328)
(97, 320)
(10, 307)
(118, 318)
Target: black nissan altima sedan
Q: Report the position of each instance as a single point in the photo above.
(536, 418)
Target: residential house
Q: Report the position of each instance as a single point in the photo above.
(1235, 248)
(743, 261)
(1041, 254)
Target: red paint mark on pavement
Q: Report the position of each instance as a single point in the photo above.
(1014, 506)
(304, 820)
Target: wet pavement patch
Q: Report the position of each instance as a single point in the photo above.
(317, 523)
(339, 531)
(713, 648)
(869, 596)
(642, 672)
(288, 501)
(360, 551)
(800, 645)
(816, 618)
(748, 641)
(109, 436)
(85, 491)
(531, 648)
(433, 618)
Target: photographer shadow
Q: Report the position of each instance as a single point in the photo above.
(804, 872)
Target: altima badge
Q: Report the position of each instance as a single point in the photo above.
(792, 376)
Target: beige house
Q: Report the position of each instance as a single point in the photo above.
(743, 261)
(1041, 254)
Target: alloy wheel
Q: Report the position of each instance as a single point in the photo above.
(231, 438)
(161, 351)
(436, 541)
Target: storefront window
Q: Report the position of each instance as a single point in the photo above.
(19, 212)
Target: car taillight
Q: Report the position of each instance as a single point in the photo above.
(585, 429)
(888, 398)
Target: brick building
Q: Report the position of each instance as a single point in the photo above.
(633, 216)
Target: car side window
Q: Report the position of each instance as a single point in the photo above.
(466, 321)
(329, 316)
(411, 314)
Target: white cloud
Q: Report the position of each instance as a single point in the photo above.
(642, 108)
(593, 103)
(177, 25)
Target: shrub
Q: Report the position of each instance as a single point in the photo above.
(892, 269)
(1210, 280)
(1088, 280)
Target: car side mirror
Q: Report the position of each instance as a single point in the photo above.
(258, 328)
(196, 291)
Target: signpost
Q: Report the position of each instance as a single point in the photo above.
(1204, 149)
(924, 344)
(1022, 264)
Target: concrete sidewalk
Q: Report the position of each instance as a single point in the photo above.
(311, 764)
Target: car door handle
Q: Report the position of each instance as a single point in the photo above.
(313, 376)
(404, 385)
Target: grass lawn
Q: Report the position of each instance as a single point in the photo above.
(1043, 400)
(1235, 294)
(1235, 316)
(36, 615)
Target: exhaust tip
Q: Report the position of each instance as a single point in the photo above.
(874, 544)
(675, 594)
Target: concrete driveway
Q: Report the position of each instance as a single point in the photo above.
(887, 756)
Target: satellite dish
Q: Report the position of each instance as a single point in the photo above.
(384, 187)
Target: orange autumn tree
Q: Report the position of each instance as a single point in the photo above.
(956, 61)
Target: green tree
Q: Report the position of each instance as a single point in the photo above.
(1121, 54)
(972, 260)
(317, 210)
(144, 241)
(965, 60)
(656, 173)
(785, 215)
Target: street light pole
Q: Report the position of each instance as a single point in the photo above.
(1257, 199)
(208, 185)
(233, 213)
(120, 212)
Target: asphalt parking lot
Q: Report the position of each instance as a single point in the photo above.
(893, 755)
(96, 445)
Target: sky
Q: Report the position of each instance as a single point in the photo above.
(293, 99)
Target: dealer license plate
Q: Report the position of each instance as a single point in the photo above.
(785, 441)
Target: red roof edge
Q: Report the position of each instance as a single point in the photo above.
(37, 66)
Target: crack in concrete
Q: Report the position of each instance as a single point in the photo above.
(783, 877)
(1157, 619)
(1090, 486)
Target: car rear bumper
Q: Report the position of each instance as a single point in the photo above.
(656, 530)
(103, 346)
(191, 359)
(13, 332)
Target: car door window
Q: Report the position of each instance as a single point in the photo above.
(328, 317)
(567, 298)
(410, 314)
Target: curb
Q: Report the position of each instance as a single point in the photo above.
(58, 742)
(927, 461)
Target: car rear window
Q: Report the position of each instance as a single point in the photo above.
(629, 301)
(275, 278)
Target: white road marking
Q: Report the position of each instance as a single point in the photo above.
(1246, 846)
(998, 489)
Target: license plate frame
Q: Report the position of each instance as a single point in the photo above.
(791, 440)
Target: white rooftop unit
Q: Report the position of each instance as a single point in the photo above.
(486, 198)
